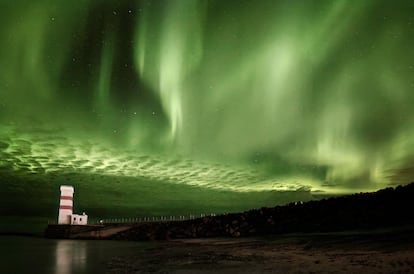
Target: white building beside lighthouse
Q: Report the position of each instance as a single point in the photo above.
(66, 216)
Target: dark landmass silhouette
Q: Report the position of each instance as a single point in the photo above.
(389, 207)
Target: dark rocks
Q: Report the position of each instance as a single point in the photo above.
(70, 231)
(384, 208)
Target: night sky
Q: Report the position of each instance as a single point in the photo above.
(185, 107)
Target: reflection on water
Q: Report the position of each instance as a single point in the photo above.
(39, 255)
(71, 256)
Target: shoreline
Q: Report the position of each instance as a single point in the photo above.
(343, 252)
(382, 250)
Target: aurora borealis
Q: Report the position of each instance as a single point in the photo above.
(179, 107)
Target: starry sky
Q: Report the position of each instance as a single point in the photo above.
(157, 107)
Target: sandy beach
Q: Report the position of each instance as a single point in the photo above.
(389, 251)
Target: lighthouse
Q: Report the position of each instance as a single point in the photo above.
(65, 205)
(66, 216)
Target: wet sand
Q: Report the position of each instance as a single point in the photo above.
(382, 251)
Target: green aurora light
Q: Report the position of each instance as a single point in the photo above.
(178, 107)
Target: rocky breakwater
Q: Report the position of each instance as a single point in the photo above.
(385, 208)
(101, 231)
(231, 225)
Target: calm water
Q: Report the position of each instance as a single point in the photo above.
(39, 255)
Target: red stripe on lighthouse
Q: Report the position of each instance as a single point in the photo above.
(66, 198)
(65, 207)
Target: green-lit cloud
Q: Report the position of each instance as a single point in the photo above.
(223, 96)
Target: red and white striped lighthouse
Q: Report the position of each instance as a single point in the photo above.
(66, 205)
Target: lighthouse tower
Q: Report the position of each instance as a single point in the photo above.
(66, 205)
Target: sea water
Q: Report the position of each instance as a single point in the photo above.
(40, 255)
